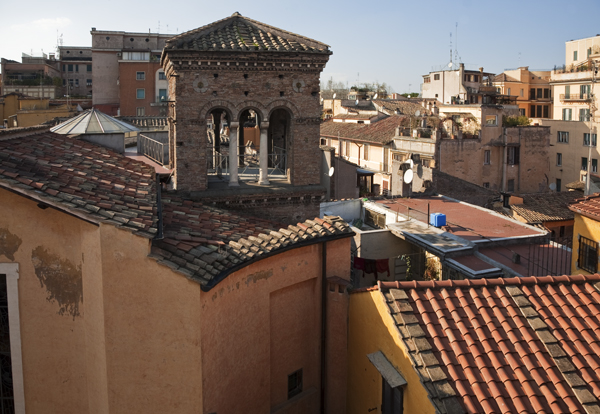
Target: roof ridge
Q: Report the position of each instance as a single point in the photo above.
(513, 281)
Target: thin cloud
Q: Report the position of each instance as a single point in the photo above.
(43, 24)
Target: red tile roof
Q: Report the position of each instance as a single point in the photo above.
(382, 131)
(588, 206)
(539, 208)
(516, 345)
(87, 180)
(101, 186)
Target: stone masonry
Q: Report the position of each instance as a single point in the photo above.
(234, 65)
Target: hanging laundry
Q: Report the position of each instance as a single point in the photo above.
(370, 267)
(383, 266)
(359, 264)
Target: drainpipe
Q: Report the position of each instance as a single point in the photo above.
(323, 325)
(504, 161)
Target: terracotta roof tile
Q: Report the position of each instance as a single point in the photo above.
(513, 345)
(538, 208)
(588, 206)
(382, 131)
(239, 33)
(96, 184)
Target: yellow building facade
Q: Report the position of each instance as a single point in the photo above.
(371, 328)
(531, 88)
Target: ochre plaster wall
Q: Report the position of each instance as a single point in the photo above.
(262, 323)
(371, 329)
(53, 332)
(152, 324)
(585, 227)
(103, 327)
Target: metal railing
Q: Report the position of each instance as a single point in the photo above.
(278, 162)
(218, 163)
(576, 96)
(153, 149)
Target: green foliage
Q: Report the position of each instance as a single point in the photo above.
(513, 121)
(410, 95)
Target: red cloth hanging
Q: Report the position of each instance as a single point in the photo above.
(383, 266)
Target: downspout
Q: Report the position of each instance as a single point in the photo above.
(323, 325)
(519, 165)
(159, 234)
(504, 160)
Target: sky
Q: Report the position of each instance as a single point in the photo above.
(396, 42)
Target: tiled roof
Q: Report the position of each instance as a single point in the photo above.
(405, 107)
(538, 208)
(206, 243)
(362, 105)
(98, 185)
(516, 345)
(588, 206)
(382, 131)
(353, 116)
(87, 180)
(239, 33)
(503, 77)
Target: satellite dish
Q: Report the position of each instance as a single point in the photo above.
(410, 162)
(331, 171)
(356, 102)
(334, 95)
(552, 186)
(418, 113)
(408, 176)
(450, 64)
(375, 96)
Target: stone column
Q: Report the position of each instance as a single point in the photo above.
(233, 153)
(264, 154)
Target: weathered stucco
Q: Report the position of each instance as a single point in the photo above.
(9, 243)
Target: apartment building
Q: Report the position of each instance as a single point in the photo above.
(76, 69)
(36, 76)
(460, 85)
(573, 130)
(128, 78)
(531, 89)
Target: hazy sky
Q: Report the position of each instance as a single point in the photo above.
(395, 42)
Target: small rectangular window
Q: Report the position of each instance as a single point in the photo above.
(70, 68)
(558, 188)
(563, 136)
(588, 255)
(546, 93)
(594, 165)
(162, 76)
(140, 75)
(140, 94)
(89, 68)
(76, 82)
(294, 383)
(513, 155)
(88, 82)
(511, 186)
(436, 76)
(491, 120)
(584, 163)
(539, 111)
(558, 159)
(76, 68)
(546, 111)
(140, 111)
(487, 157)
(508, 91)
(567, 114)
(486, 185)
(584, 115)
(521, 93)
(574, 55)
(539, 93)
(567, 91)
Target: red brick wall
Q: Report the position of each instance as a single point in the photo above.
(128, 85)
(268, 86)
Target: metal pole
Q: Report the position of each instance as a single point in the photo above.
(592, 108)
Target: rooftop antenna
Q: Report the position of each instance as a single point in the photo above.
(450, 64)
(456, 45)
(158, 28)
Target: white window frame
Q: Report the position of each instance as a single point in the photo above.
(11, 270)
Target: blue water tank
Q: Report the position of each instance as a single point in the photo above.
(437, 219)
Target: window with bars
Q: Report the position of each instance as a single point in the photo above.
(294, 383)
(588, 255)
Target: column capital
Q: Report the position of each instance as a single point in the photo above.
(234, 124)
(264, 124)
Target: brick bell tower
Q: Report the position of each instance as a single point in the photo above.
(239, 83)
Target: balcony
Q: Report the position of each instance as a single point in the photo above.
(576, 97)
(160, 101)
